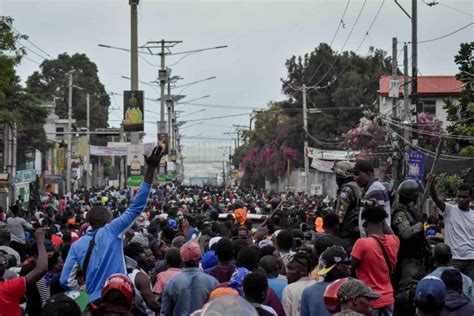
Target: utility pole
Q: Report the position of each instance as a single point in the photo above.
(162, 85)
(395, 83)
(414, 56)
(223, 173)
(305, 128)
(69, 137)
(406, 101)
(134, 136)
(88, 125)
(395, 94)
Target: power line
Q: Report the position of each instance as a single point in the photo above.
(457, 10)
(429, 152)
(371, 24)
(343, 46)
(29, 49)
(446, 35)
(341, 22)
(26, 39)
(33, 61)
(217, 117)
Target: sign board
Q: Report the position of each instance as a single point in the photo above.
(322, 165)
(25, 176)
(316, 189)
(108, 150)
(134, 181)
(148, 146)
(416, 165)
(135, 158)
(133, 113)
(394, 91)
(317, 153)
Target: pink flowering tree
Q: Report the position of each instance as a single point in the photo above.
(368, 134)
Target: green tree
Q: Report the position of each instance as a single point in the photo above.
(17, 106)
(342, 86)
(461, 113)
(52, 82)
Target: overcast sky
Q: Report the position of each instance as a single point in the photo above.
(261, 35)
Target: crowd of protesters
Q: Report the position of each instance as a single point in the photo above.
(176, 250)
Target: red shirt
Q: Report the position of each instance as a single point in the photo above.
(11, 292)
(373, 270)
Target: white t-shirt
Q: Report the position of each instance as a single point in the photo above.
(459, 231)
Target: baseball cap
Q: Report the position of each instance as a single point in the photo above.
(265, 242)
(430, 291)
(64, 304)
(209, 260)
(343, 169)
(190, 251)
(121, 283)
(354, 288)
(329, 258)
(213, 241)
(362, 166)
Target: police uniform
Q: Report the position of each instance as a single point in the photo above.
(413, 253)
(347, 208)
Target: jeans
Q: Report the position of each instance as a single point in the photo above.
(384, 311)
(465, 266)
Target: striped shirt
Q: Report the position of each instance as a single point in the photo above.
(377, 191)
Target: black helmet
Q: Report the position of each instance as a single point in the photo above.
(409, 189)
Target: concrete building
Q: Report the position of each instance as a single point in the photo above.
(432, 91)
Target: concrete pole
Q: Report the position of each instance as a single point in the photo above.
(305, 128)
(88, 125)
(162, 85)
(394, 76)
(414, 55)
(69, 138)
(406, 100)
(134, 136)
(395, 154)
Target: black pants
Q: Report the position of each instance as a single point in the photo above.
(20, 248)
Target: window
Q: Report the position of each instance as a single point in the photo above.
(427, 106)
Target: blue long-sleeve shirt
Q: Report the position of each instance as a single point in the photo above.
(107, 255)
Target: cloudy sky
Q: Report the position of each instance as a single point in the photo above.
(261, 35)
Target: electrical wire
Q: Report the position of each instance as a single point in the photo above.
(446, 35)
(341, 22)
(343, 46)
(454, 9)
(32, 60)
(432, 134)
(217, 117)
(429, 152)
(371, 24)
(26, 39)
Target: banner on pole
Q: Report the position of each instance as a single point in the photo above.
(322, 165)
(317, 153)
(133, 118)
(416, 165)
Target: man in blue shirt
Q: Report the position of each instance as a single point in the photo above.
(103, 243)
(270, 265)
(189, 290)
(334, 264)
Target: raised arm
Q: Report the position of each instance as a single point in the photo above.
(119, 225)
(42, 264)
(434, 193)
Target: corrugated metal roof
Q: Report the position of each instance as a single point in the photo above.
(427, 85)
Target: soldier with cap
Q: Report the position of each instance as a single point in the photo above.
(347, 206)
(414, 256)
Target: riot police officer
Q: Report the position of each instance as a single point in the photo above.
(348, 199)
(414, 253)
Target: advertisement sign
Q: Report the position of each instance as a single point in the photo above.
(135, 158)
(133, 114)
(416, 165)
(323, 165)
(163, 142)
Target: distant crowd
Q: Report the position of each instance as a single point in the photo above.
(188, 250)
